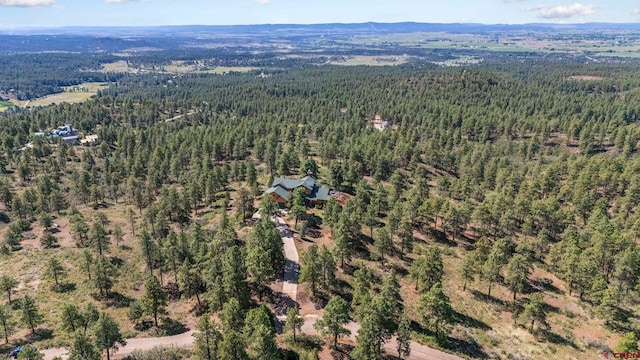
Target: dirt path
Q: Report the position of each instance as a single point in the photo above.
(418, 351)
(191, 112)
(180, 341)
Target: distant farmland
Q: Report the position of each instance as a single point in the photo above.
(4, 105)
(71, 95)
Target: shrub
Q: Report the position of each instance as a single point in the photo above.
(160, 353)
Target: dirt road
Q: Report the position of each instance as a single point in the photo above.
(289, 288)
(291, 267)
(181, 341)
(418, 351)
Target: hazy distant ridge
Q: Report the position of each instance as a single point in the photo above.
(367, 28)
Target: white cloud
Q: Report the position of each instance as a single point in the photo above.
(119, 1)
(26, 3)
(263, 2)
(563, 12)
(635, 12)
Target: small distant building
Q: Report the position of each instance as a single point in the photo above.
(281, 190)
(66, 132)
(70, 139)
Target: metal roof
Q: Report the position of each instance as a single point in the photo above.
(308, 182)
(280, 192)
(319, 194)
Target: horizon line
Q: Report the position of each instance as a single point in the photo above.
(322, 23)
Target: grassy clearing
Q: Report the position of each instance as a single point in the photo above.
(118, 66)
(4, 105)
(180, 67)
(176, 67)
(71, 95)
(371, 61)
(221, 70)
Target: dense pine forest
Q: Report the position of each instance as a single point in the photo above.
(495, 217)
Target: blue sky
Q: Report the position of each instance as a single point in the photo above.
(56, 13)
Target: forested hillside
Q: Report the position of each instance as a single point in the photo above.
(496, 216)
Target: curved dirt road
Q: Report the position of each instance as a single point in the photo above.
(183, 340)
(418, 351)
(290, 289)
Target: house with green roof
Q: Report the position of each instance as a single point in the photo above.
(281, 190)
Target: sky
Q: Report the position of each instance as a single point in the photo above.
(59, 13)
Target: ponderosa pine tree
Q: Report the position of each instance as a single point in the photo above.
(154, 299)
(107, 334)
(435, 310)
(29, 314)
(294, 321)
(334, 319)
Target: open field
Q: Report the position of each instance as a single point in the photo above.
(516, 42)
(181, 67)
(71, 95)
(221, 70)
(460, 61)
(118, 66)
(176, 67)
(586, 78)
(4, 105)
(371, 60)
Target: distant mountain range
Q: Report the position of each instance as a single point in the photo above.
(360, 28)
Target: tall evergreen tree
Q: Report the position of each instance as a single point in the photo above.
(435, 310)
(334, 319)
(29, 314)
(107, 334)
(154, 299)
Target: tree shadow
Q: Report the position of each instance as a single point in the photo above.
(287, 354)
(312, 233)
(557, 339)
(40, 334)
(551, 309)
(118, 300)
(441, 237)
(173, 291)
(343, 289)
(143, 325)
(401, 270)
(171, 327)
(282, 303)
(291, 270)
(468, 321)
(484, 297)
(360, 249)
(543, 284)
(342, 352)
(117, 262)
(470, 349)
(64, 287)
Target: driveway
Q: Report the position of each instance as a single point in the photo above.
(292, 265)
